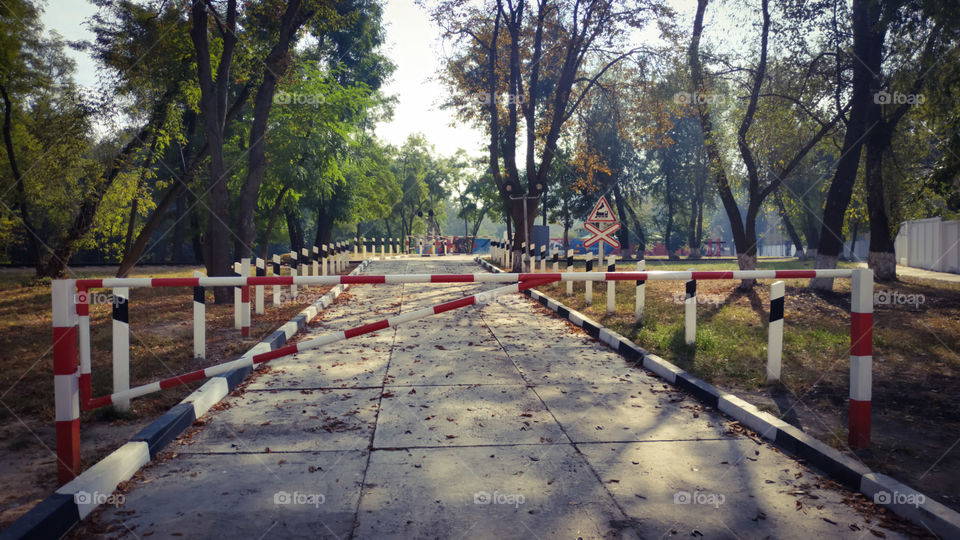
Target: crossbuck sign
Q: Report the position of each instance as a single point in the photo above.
(603, 215)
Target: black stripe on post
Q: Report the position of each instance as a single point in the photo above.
(556, 257)
(276, 268)
(199, 294)
(121, 311)
(612, 267)
(570, 261)
(640, 282)
(261, 271)
(589, 265)
(776, 309)
(691, 288)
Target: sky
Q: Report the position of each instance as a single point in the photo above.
(412, 44)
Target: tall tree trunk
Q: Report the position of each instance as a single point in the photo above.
(33, 245)
(274, 66)
(213, 107)
(867, 50)
(791, 231)
(274, 210)
(641, 238)
(624, 232)
(295, 230)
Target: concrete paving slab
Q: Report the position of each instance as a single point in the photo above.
(629, 412)
(733, 488)
(488, 492)
(289, 421)
(463, 416)
(460, 364)
(244, 496)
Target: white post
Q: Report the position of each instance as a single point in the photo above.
(237, 317)
(323, 259)
(121, 345)
(611, 286)
(294, 271)
(543, 258)
(261, 272)
(276, 288)
(641, 293)
(245, 298)
(199, 320)
(319, 263)
(363, 245)
(690, 313)
(556, 259)
(570, 268)
(775, 332)
(383, 248)
(588, 285)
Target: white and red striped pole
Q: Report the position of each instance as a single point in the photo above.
(65, 378)
(861, 357)
(121, 344)
(775, 332)
(690, 313)
(276, 288)
(641, 297)
(588, 286)
(570, 268)
(261, 272)
(611, 286)
(245, 299)
(199, 319)
(237, 317)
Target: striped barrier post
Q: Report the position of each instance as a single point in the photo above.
(305, 256)
(261, 272)
(294, 271)
(775, 332)
(588, 286)
(121, 344)
(276, 288)
(611, 286)
(556, 259)
(363, 245)
(237, 318)
(641, 294)
(383, 248)
(356, 245)
(337, 259)
(523, 257)
(543, 257)
(690, 313)
(570, 268)
(319, 262)
(324, 254)
(65, 377)
(245, 299)
(199, 319)
(393, 245)
(861, 357)
(532, 255)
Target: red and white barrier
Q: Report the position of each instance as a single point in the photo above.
(861, 357)
(65, 378)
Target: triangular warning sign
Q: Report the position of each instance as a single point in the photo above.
(602, 213)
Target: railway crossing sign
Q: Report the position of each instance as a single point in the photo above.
(602, 214)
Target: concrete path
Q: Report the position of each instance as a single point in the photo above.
(495, 421)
